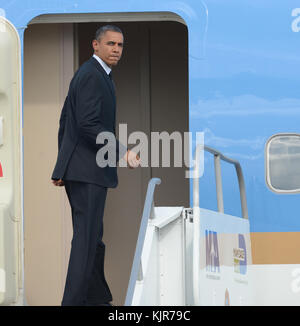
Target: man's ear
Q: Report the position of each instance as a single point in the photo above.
(94, 43)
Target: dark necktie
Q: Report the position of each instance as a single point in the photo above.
(111, 82)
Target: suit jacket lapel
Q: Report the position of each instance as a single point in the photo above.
(106, 77)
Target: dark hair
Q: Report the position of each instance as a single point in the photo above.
(102, 30)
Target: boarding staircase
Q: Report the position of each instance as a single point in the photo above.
(192, 256)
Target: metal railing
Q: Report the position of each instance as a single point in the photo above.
(148, 213)
(217, 157)
(196, 208)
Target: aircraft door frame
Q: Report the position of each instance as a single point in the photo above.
(11, 222)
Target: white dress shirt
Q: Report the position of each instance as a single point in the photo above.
(103, 64)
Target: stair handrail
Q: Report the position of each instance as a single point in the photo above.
(219, 156)
(196, 208)
(148, 213)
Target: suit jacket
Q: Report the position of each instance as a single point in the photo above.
(89, 108)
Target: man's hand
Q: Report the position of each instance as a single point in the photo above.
(132, 159)
(58, 183)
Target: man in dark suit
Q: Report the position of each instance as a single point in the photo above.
(89, 109)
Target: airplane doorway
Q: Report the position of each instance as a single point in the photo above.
(152, 95)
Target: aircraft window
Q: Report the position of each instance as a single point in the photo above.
(283, 163)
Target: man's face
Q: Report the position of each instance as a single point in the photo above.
(109, 48)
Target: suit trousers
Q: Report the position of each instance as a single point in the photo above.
(85, 282)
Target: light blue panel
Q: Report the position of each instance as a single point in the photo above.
(244, 69)
(245, 90)
(193, 12)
